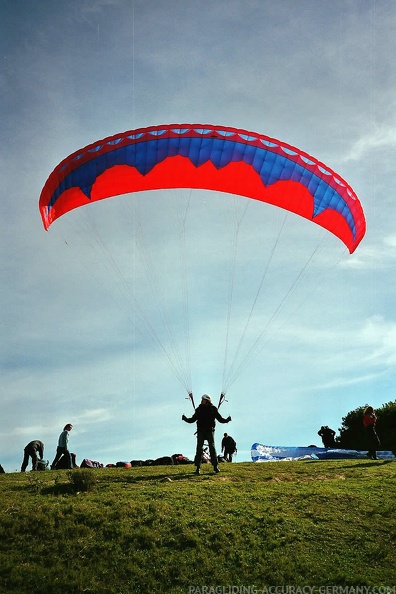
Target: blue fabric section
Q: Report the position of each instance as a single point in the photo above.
(271, 167)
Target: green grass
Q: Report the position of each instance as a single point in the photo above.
(162, 529)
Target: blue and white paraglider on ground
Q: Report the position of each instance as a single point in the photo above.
(264, 453)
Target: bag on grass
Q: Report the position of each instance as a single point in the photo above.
(90, 464)
(163, 461)
(42, 465)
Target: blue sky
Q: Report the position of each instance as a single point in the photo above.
(317, 75)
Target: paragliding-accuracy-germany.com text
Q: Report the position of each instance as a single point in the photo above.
(290, 589)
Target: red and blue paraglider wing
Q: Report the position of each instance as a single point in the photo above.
(211, 158)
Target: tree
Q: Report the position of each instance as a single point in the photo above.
(352, 434)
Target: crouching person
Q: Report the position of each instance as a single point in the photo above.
(34, 450)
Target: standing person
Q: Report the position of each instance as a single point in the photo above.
(205, 416)
(327, 436)
(369, 423)
(228, 445)
(34, 449)
(62, 448)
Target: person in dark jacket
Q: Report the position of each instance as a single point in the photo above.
(228, 445)
(327, 436)
(369, 423)
(34, 450)
(205, 416)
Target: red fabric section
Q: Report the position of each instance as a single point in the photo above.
(178, 172)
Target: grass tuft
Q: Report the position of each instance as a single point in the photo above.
(82, 479)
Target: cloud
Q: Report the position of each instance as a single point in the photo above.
(370, 255)
(90, 416)
(381, 138)
(345, 382)
(378, 334)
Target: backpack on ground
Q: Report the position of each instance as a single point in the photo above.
(64, 460)
(42, 465)
(90, 464)
(163, 461)
(180, 459)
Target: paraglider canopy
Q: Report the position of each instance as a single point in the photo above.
(206, 157)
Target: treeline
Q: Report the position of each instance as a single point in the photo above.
(353, 436)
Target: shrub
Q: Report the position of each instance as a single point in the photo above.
(82, 479)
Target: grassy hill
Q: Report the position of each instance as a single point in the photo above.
(164, 530)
